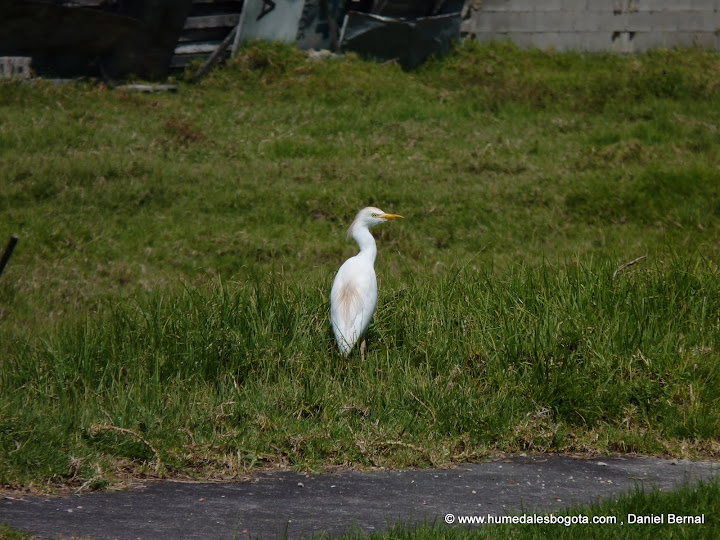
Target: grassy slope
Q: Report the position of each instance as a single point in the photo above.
(166, 309)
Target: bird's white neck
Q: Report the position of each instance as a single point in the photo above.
(365, 241)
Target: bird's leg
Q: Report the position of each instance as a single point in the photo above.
(362, 350)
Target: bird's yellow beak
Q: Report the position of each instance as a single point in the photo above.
(390, 216)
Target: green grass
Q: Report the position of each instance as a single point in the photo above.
(690, 500)
(8, 533)
(166, 309)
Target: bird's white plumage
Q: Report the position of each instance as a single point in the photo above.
(352, 301)
(353, 297)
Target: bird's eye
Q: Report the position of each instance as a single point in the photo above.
(375, 215)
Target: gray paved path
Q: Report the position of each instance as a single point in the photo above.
(298, 505)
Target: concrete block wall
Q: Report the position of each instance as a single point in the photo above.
(623, 26)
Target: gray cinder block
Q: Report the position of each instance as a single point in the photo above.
(15, 67)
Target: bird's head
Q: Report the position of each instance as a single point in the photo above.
(369, 217)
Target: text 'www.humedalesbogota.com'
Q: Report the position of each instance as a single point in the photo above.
(527, 519)
(551, 519)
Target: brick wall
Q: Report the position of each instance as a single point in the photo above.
(623, 26)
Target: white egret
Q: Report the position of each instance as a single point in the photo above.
(354, 292)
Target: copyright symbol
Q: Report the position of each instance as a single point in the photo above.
(449, 519)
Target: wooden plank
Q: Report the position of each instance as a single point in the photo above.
(149, 88)
(202, 34)
(216, 56)
(216, 1)
(212, 21)
(182, 60)
(194, 48)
